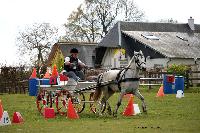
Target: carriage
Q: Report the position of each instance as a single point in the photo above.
(57, 96)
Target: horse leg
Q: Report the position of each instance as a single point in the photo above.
(104, 100)
(118, 104)
(109, 94)
(139, 95)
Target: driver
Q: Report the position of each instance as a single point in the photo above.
(73, 66)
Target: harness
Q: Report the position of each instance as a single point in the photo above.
(120, 79)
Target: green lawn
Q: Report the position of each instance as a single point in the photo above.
(165, 115)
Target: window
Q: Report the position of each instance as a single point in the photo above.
(150, 36)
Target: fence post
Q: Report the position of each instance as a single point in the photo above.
(187, 79)
(149, 73)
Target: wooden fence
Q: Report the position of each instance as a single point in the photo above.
(12, 83)
(156, 78)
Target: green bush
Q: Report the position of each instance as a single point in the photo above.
(179, 70)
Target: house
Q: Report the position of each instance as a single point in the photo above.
(62, 49)
(162, 43)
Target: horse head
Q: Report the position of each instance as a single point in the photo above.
(138, 61)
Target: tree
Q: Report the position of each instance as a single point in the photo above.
(93, 19)
(36, 41)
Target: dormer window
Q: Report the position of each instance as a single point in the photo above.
(150, 36)
(184, 39)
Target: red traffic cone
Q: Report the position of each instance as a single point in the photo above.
(1, 109)
(33, 75)
(17, 118)
(71, 112)
(160, 92)
(129, 111)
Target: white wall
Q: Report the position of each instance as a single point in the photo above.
(112, 58)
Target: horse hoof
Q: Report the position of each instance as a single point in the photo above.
(114, 115)
(144, 109)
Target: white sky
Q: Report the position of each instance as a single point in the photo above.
(15, 14)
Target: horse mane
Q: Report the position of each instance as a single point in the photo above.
(129, 64)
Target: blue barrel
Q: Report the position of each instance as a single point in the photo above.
(45, 82)
(179, 83)
(168, 87)
(33, 86)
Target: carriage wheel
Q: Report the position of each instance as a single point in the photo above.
(78, 102)
(62, 97)
(43, 100)
(94, 106)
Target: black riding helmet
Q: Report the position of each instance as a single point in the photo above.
(74, 50)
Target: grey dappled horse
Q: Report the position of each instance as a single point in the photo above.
(124, 81)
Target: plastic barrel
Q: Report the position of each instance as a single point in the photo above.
(33, 86)
(168, 86)
(45, 82)
(179, 83)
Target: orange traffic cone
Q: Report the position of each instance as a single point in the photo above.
(17, 118)
(129, 111)
(71, 112)
(33, 75)
(1, 109)
(160, 92)
(54, 72)
(47, 75)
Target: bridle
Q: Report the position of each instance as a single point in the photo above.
(139, 64)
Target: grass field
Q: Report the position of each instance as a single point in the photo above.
(166, 115)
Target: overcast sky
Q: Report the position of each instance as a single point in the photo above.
(15, 14)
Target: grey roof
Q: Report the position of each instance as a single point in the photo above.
(112, 38)
(170, 44)
(86, 50)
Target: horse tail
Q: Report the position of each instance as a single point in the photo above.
(98, 91)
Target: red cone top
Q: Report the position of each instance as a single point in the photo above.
(54, 72)
(33, 75)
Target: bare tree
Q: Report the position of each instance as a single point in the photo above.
(36, 41)
(93, 19)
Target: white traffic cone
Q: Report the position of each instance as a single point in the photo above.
(5, 120)
(136, 109)
(179, 94)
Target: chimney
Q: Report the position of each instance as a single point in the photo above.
(191, 23)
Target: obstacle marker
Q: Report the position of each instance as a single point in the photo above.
(54, 72)
(129, 110)
(17, 118)
(71, 112)
(136, 109)
(179, 94)
(1, 109)
(33, 75)
(5, 120)
(160, 92)
(49, 113)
